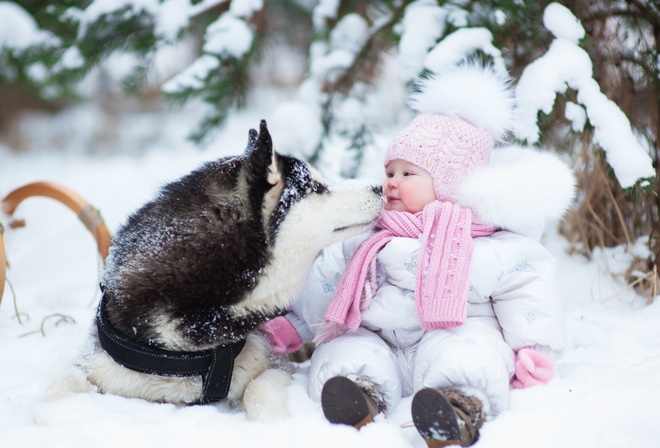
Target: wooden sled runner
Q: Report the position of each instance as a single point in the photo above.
(89, 216)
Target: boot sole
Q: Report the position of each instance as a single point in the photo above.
(434, 417)
(343, 402)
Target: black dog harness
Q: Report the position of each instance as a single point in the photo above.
(214, 365)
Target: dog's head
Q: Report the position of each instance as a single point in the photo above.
(300, 204)
(301, 215)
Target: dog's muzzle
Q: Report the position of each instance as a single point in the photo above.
(215, 366)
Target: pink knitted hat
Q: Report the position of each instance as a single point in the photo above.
(463, 113)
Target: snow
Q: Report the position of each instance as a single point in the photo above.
(18, 29)
(204, 6)
(245, 8)
(423, 23)
(346, 40)
(325, 10)
(193, 76)
(99, 8)
(72, 59)
(576, 115)
(350, 33)
(228, 36)
(605, 395)
(453, 48)
(561, 22)
(170, 19)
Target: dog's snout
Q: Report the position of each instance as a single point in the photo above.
(377, 189)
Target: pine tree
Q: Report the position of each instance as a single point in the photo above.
(71, 37)
(346, 45)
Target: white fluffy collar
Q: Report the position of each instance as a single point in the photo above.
(521, 190)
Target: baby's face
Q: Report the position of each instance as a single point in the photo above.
(407, 187)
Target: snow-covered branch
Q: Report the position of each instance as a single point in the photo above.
(566, 65)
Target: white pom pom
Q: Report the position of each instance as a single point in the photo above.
(470, 91)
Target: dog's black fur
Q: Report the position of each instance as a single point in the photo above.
(184, 238)
(214, 255)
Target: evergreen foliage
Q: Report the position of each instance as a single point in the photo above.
(345, 43)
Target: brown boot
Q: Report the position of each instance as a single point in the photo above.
(447, 417)
(345, 402)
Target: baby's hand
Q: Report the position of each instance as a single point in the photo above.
(532, 368)
(282, 335)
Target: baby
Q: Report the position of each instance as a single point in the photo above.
(452, 298)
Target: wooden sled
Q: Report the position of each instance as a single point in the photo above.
(89, 216)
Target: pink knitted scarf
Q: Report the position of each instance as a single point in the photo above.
(443, 271)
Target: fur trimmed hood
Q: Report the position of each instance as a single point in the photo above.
(520, 190)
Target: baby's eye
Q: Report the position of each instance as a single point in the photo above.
(408, 173)
(389, 174)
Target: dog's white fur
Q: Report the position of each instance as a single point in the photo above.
(352, 205)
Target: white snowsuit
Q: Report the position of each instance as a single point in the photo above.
(512, 301)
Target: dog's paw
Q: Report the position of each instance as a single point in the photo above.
(71, 382)
(266, 396)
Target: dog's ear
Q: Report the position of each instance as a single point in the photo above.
(261, 157)
(252, 141)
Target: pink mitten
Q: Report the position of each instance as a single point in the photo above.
(282, 335)
(532, 369)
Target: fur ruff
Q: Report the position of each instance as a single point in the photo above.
(521, 190)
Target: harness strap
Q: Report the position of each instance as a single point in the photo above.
(214, 365)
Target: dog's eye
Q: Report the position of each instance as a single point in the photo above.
(317, 188)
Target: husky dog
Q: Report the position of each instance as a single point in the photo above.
(200, 267)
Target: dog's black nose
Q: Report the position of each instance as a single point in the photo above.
(377, 189)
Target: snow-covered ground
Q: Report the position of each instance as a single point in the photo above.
(606, 395)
